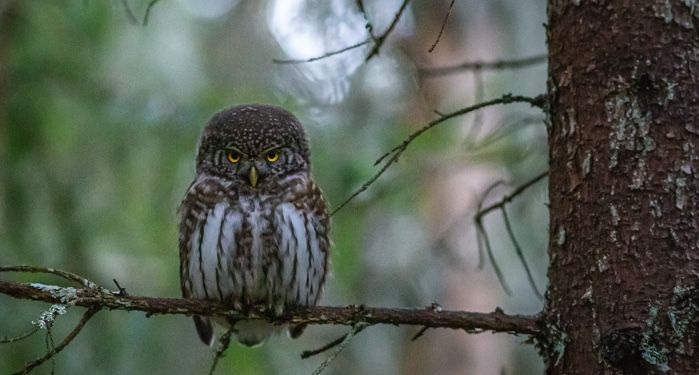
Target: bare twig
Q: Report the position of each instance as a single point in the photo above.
(310, 353)
(223, 343)
(479, 239)
(53, 271)
(340, 347)
(520, 253)
(378, 42)
(436, 308)
(21, 336)
(441, 29)
(28, 367)
(151, 4)
(481, 66)
(326, 55)
(502, 132)
(489, 251)
(50, 346)
(419, 333)
(350, 315)
(120, 291)
(397, 151)
(484, 241)
(369, 27)
(129, 13)
(477, 122)
(508, 198)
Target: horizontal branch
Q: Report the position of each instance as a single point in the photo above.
(477, 66)
(99, 299)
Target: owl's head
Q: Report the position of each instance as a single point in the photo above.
(255, 145)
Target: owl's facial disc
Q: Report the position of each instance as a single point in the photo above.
(255, 167)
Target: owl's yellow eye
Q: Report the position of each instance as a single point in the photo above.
(272, 156)
(233, 157)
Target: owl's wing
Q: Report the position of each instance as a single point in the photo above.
(317, 222)
(201, 195)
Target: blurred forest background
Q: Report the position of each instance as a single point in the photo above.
(99, 121)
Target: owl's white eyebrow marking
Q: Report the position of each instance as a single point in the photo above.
(271, 149)
(236, 149)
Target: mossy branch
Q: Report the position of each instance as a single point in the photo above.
(97, 298)
(350, 315)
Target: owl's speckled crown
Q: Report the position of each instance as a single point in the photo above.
(254, 128)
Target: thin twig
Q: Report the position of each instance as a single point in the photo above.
(50, 347)
(481, 66)
(326, 55)
(436, 308)
(29, 366)
(129, 13)
(369, 27)
(223, 343)
(520, 253)
(481, 251)
(355, 329)
(502, 132)
(507, 198)
(310, 353)
(21, 336)
(151, 4)
(378, 42)
(491, 257)
(477, 122)
(120, 291)
(479, 239)
(419, 333)
(482, 236)
(53, 271)
(397, 151)
(441, 30)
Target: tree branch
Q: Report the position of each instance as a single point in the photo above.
(150, 6)
(29, 366)
(482, 65)
(507, 198)
(482, 235)
(441, 29)
(377, 40)
(323, 56)
(393, 155)
(99, 299)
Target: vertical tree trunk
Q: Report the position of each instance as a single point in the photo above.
(624, 186)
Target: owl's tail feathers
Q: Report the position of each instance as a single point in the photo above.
(296, 331)
(253, 332)
(204, 329)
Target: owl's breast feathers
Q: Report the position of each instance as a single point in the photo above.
(250, 249)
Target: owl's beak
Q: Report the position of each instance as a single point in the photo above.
(252, 176)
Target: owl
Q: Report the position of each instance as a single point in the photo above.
(254, 227)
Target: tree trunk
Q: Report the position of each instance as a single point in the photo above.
(624, 183)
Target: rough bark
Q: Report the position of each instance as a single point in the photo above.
(624, 183)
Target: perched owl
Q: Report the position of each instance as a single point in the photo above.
(254, 227)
